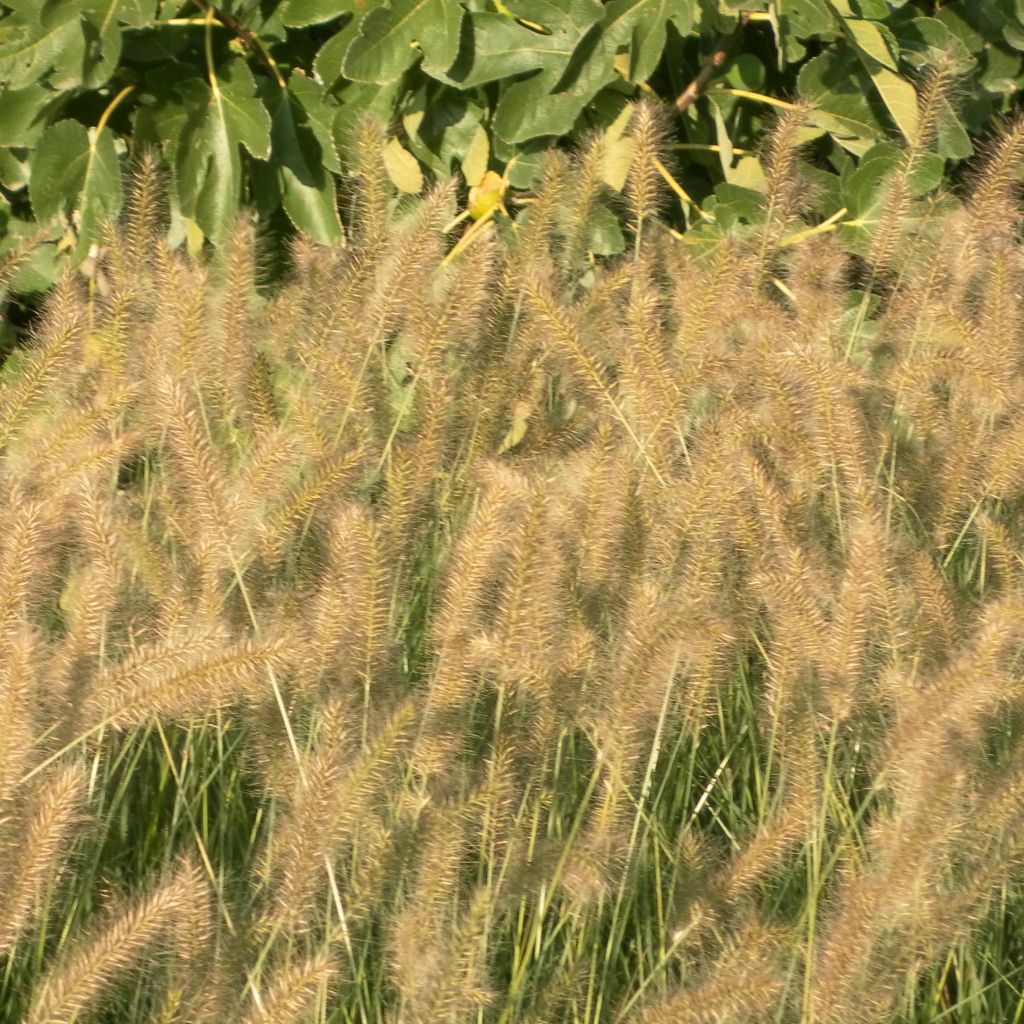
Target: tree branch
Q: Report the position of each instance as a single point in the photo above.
(690, 94)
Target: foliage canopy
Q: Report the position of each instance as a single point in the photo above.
(255, 101)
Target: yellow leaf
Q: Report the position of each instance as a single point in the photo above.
(748, 173)
(402, 167)
(486, 195)
(618, 155)
(193, 237)
(474, 163)
(521, 413)
(616, 129)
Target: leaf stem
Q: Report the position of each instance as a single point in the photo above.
(250, 39)
(826, 225)
(746, 94)
(678, 189)
(111, 107)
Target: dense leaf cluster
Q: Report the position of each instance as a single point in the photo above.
(254, 101)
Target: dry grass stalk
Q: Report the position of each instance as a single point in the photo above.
(530, 618)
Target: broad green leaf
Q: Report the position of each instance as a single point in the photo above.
(358, 101)
(441, 126)
(530, 162)
(877, 9)
(161, 125)
(306, 186)
(869, 39)
(604, 232)
(845, 101)
(1001, 68)
(553, 16)
(23, 114)
(58, 168)
(299, 13)
(497, 47)
(13, 172)
(530, 109)
(723, 138)
(101, 27)
(648, 23)
(901, 99)
(76, 170)
(209, 165)
(924, 169)
(637, 23)
(330, 57)
(1014, 35)
(735, 205)
(952, 141)
(320, 117)
(42, 268)
(550, 102)
(926, 41)
(29, 48)
(806, 18)
(383, 49)
(137, 13)
(616, 161)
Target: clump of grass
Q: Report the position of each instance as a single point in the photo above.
(520, 636)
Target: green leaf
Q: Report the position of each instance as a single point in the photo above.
(952, 141)
(925, 41)
(57, 172)
(552, 15)
(640, 24)
(76, 170)
(299, 13)
(209, 165)
(319, 115)
(330, 57)
(307, 188)
(29, 49)
(440, 126)
(497, 47)
(101, 27)
(137, 13)
(384, 49)
(550, 102)
(1001, 69)
(869, 40)
(604, 232)
(22, 114)
(806, 18)
(13, 172)
(647, 27)
(736, 205)
(358, 101)
(924, 169)
(530, 109)
(901, 99)
(877, 9)
(845, 101)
